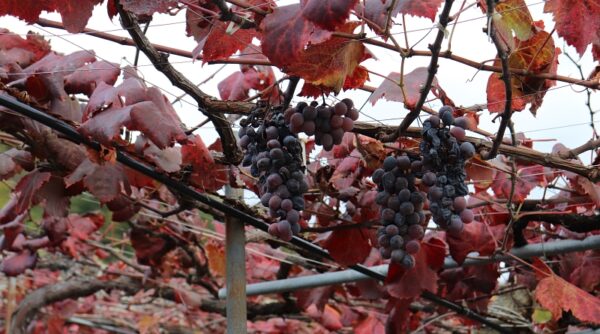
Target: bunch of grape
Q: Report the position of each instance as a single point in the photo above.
(274, 155)
(402, 213)
(328, 124)
(444, 154)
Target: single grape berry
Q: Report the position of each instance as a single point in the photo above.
(462, 122)
(446, 116)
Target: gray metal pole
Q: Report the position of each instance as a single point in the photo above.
(235, 249)
(349, 276)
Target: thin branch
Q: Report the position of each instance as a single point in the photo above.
(228, 15)
(289, 93)
(573, 153)
(573, 222)
(432, 70)
(506, 78)
(245, 5)
(160, 61)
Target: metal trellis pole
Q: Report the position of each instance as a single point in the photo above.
(235, 249)
(349, 276)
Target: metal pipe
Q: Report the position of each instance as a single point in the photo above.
(235, 250)
(349, 276)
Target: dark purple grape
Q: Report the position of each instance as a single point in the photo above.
(324, 112)
(399, 219)
(276, 153)
(296, 229)
(388, 181)
(327, 141)
(403, 162)
(445, 115)
(282, 191)
(456, 226)
(285, 230)
(429, 179)
(337, 135)
(296, 122)
(264, 199)
(293, 216)
(287, 115)
(385, 252)
(416, 166)
(413, 219)
(462, 122)
(460, 203)
(347, 124)
(298, 203)
(273, 143)
(404, 195)
(382, 197)
(274, 180)
(401, 183)
(435, 193)
(309, 113)
(352, 114)
(290, 141)
(383, 240)
(309, 127)
(293, 185)
(391, 230)
(377, 175)
(408, 262)
(407, 208)
(286, 204)
(412, 247)
(340, 109)
(467, 216)
(272, 132)
(416, 231)
(336, 121)
(398, 255)
(467, 150)
(274, 202)
(389, 163)
(394, 203)
(273, 230)
(458, 133)
(263, 164)
(396, 242)
(348, 103)
(244, 141)
(387, 214)
(435, 121)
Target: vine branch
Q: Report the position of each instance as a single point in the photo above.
(573, 222)
(432, 70)
(506, 78)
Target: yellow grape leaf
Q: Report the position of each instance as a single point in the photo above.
(216, 257)
(515, 15)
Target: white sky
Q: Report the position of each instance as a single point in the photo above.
(563, 115)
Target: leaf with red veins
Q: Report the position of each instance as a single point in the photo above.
(329, 63)
(11, 230)
(587, 273)
(221, 45)
(197, 24)
(391, 91)
(347, 171)
(145, 7)
(234, 88)
(328, 14)
(286, 33)
(35, 47)
(402, 283)
(74, 13)
(82, 227)
(480, 173)
(496, 94)
(129, 92)
(356, 80)
(527, 179)
(422, 8)
(27, 189)
(476, 237)
(85, 79)
(558, 296)
(338, 241)
(16, 264)
(577, 22)
(168, 159)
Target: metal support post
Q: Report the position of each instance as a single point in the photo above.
(235, 249)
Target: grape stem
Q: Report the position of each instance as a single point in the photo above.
(289, 92)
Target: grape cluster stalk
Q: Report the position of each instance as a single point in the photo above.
(402, 204)
(274, 155)
(327, 123)
(444, 153)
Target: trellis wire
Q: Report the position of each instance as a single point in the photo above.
(350, 276)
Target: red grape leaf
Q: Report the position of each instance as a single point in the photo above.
(85, 79)
(587, 273)
(129, 92)
(157, 124)
(328, 14)
(285, 34)
(577, 22)
(144, 7)
(346, 171)
(557, 295)
(496, 94)
(27, 188)
(402, 283)
(527, 178)
(105, 127)
(16, 264)
(480, 172)
(329, 63)
(168, 159)
(315, 296)
(74, 13)
(235, 87)
(206, 174)
(370, 325)
(476, 237)
(149, 249)
(390, 88)
(10, 231)
(356, 80)
(220, 44)
(35, 47)
(106, 182)
(422, 8)
(11, 162)
(338, 245)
